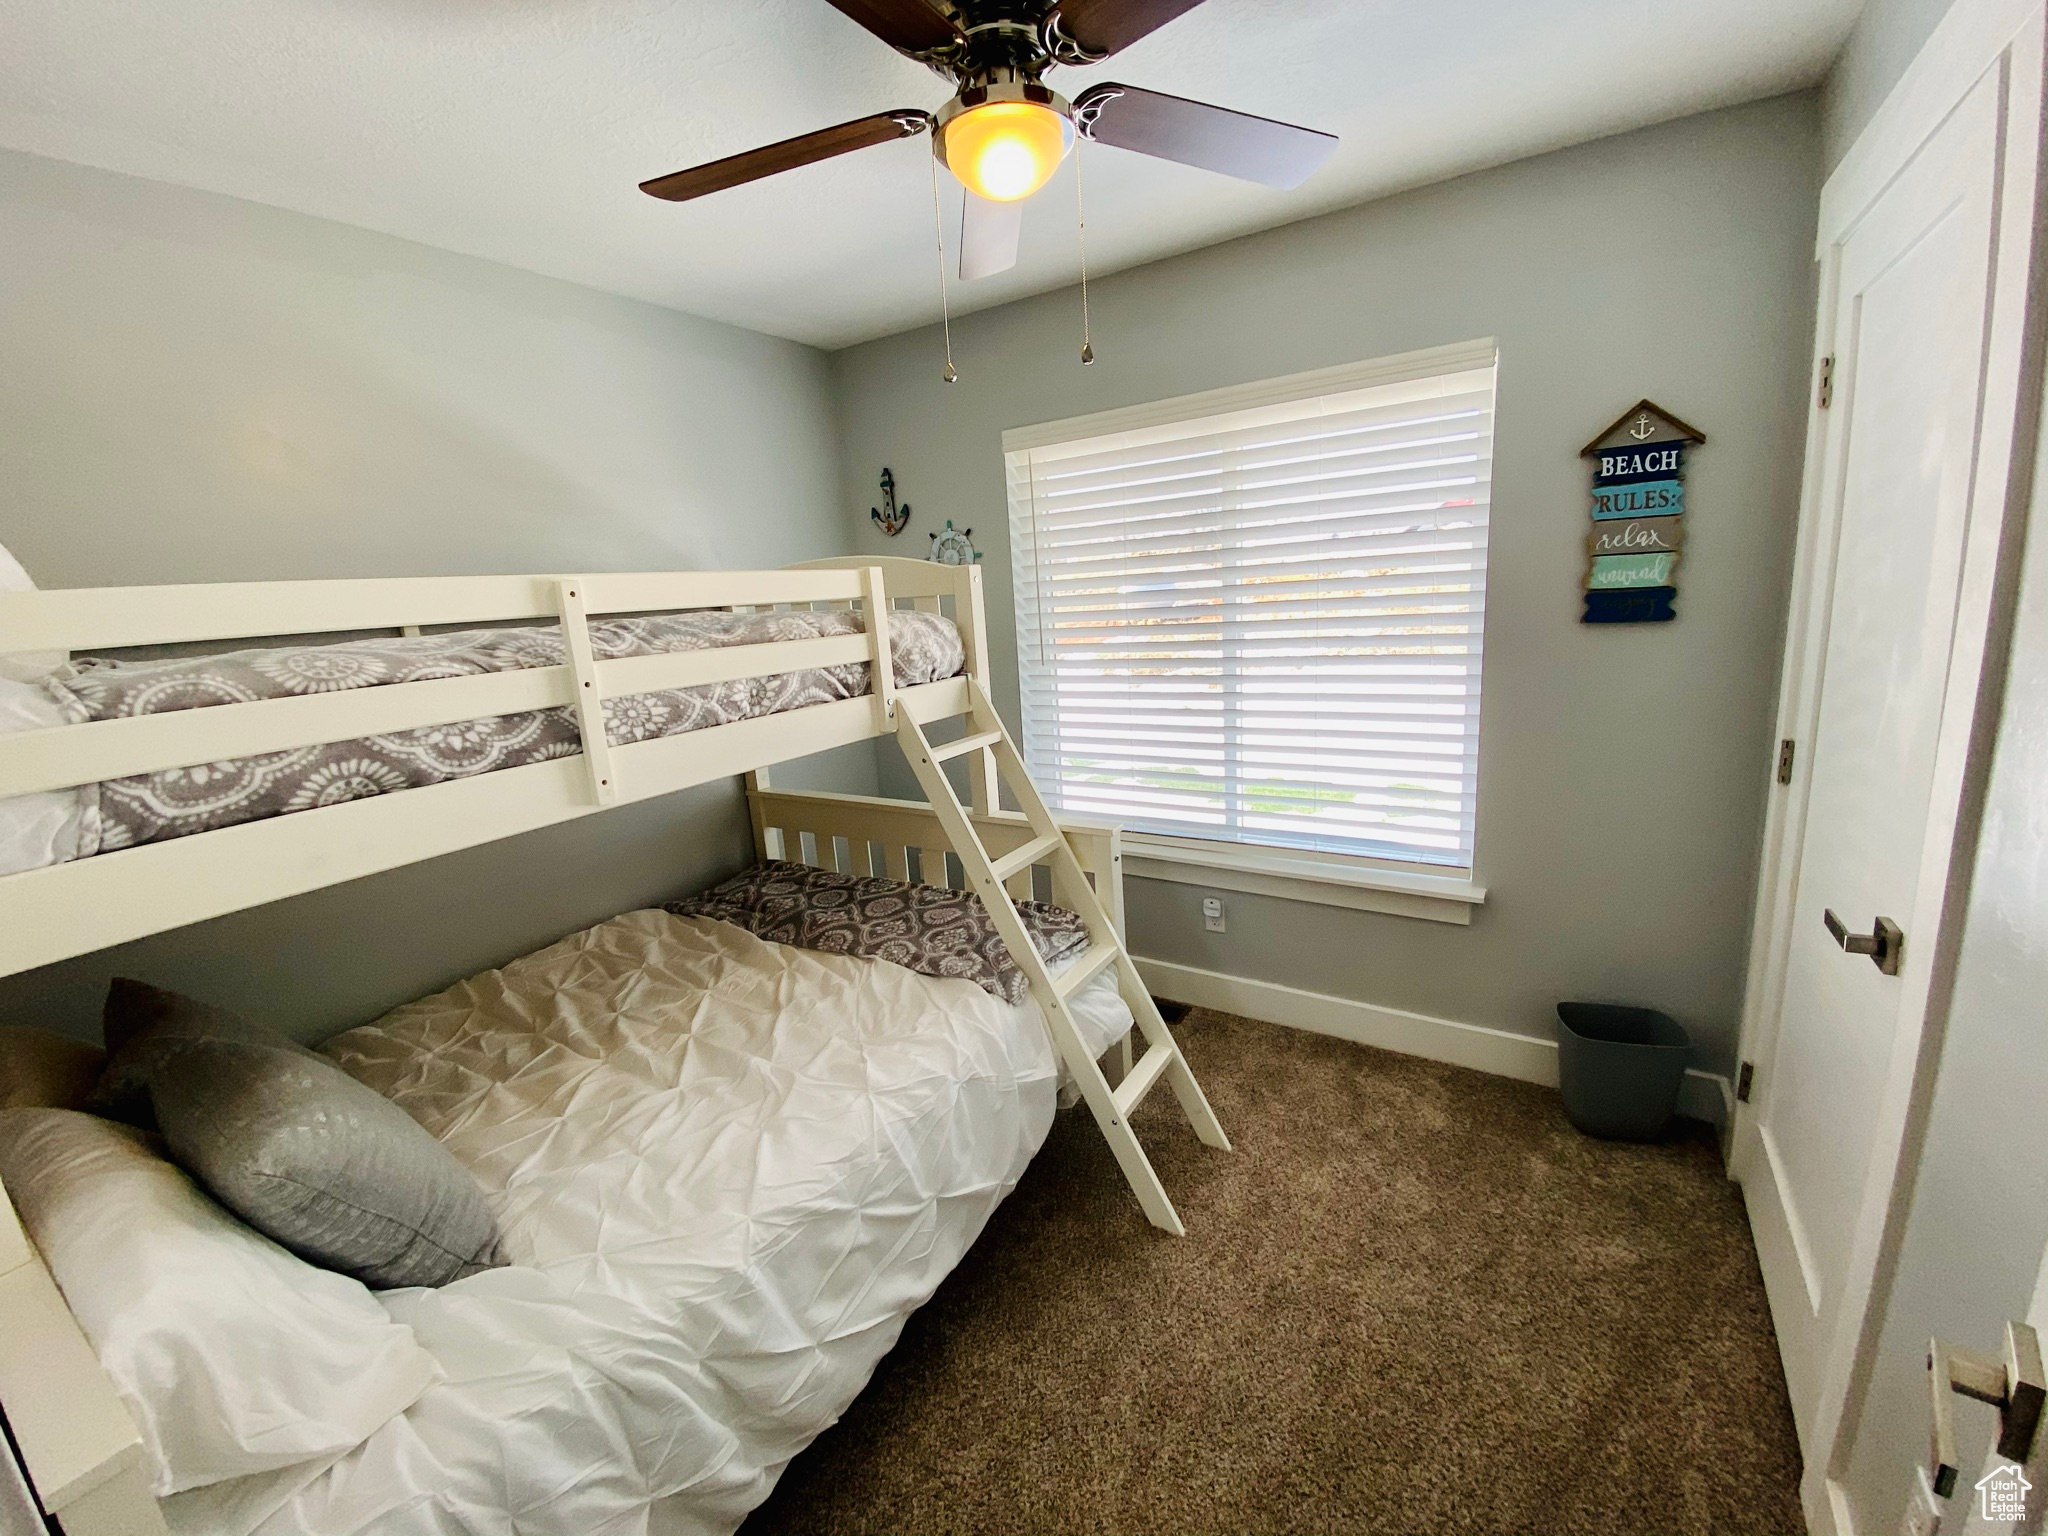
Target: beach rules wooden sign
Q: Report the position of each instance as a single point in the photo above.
(1638, 529)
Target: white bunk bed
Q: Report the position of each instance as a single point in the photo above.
(74, 1437)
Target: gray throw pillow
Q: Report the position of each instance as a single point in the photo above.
(142, 1026)
(292, 1144)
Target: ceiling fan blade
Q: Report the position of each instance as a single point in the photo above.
(734, 170)
(1099, 28)
(989, 232)
(912, 26)
(1195, 133)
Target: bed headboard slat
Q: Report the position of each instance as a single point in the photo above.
(915, 843)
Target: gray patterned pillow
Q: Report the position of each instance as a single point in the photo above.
(330, 1169)
(924, 928)
(142, 1025)
(296, 1147)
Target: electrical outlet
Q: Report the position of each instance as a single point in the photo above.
(1923, 1508)
(1212, 913)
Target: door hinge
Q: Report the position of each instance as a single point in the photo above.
(1785, 750)
(1743, 1080)
(1827, 381)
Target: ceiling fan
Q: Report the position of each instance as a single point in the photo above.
(1005, 132)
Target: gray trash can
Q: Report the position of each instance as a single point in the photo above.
(1620, 1068)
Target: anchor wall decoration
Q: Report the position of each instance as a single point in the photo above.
(889, 517)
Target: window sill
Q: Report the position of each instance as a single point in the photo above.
(1319, 878)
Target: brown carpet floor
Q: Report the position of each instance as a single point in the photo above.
(1412, 1300)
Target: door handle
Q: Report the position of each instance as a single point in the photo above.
(2014, 1386)
(1886, 945)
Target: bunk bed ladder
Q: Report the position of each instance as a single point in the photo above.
(986, 738)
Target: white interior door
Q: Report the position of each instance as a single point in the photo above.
(1927, 253)
(1910, 314)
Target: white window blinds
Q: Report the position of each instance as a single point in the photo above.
(1262, 625)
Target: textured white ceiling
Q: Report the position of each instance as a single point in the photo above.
(518, 129)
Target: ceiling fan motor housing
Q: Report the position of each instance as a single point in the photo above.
(992, 35)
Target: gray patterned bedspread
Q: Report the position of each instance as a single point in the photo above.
(147, 808)
(924, 928)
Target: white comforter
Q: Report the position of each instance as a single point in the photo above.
(727, 1171)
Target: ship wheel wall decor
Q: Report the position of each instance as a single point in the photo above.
(954, 546)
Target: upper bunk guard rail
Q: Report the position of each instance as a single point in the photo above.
(590, 726)
(107, 618)
(62, 910)
(135, 744)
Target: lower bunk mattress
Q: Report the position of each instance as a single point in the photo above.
(726, 1171)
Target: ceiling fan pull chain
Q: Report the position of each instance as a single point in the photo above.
(1081, 238)
(952, 374)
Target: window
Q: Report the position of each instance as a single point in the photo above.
(1253, 617)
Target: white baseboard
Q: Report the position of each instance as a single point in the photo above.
(1705, 1096)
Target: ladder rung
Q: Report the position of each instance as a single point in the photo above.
(947, 751)
(1025, 857)
(1151, 1066)
(1098, 959)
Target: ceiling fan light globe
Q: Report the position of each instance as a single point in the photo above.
(1007, 150)
(1007, 169)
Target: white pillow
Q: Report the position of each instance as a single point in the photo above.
(24, 666)
(234, 1356)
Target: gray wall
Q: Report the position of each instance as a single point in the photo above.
(1674, 263)
(1886, 36)
(1979, 1210)
(202, 389)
